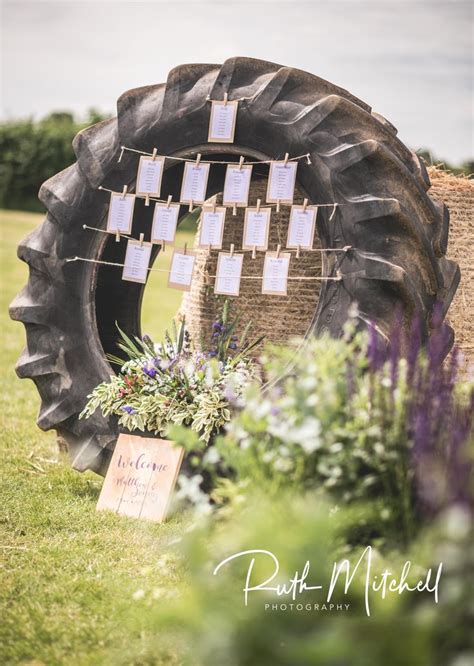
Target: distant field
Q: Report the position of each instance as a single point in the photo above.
(69, 575)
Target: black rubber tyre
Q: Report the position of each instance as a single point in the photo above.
(69, 309)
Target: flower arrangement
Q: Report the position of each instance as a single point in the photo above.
(173, 383)
(362, 423)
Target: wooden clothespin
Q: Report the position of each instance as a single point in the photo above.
(254, 252)
(305, 203)
(122, 150)
(232, 249)
(142, 236)
(259, 201)
(241, 162)
(298, 251)
(124, 191)
(198, 159)
(191, 206)
(278, 251)
(214, 202)
(278, 206)
(147, 199)
(226, 97)
(287, 157)
(185, 248)
(209, 248)
(234, 209)
(117, 236)
(163, 245)
(155, 151)
(169, 200)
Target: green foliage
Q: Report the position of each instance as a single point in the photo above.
(333, 423)
(32, 152)
(216, 627)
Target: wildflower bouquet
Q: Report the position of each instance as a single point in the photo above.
(173, 383)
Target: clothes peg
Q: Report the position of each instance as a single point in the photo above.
(241, 162)
(298, 251)
(287, 157)
(232, 249)
(155, 151)
(147, 199)
(278, 206)
(142, 236)
(226, 97)
(259, 201)
(191, 206)
(163, 245)
(254, 252)
(124, 191)
(198, 159)
(234, 209)
(278, 251)
(121, 154)
(169, 200)
(117, 236)
(185, 248)
(305, 203)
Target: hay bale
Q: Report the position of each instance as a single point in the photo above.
(276, 317)
(458, 194)
(280, 318)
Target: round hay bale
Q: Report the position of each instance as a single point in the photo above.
(457, 192)
(280, 318)
(276, 317)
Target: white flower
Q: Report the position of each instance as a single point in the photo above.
(211, 456)
(283, 465)
(138, 594)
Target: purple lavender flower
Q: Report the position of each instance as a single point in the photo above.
(129, 410)
(232, 345)
(151, 372)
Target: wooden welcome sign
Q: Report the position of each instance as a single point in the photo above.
(141, 477)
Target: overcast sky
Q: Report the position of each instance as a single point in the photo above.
(411, 60)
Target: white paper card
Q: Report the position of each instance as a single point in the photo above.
(256, 228)
(275, 273)
(237, 185)
(281, 182)
(165, 221)
(120, 213)
(229, 270)
(137, 260)
(222, 122)
(181, 270)
(194, 182)
(150, 172)
(211, 229)
(301, 227)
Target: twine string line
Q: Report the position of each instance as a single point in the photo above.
(200, 271)
(160, 241)
(193, 159)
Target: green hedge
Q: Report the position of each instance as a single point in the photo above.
(32, 152)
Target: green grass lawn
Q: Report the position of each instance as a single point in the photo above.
(76, 585)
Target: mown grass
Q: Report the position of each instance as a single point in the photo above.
(75, 584)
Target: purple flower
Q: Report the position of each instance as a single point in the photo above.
(151, 372)
(217, 326)
(129, 410)
(232, 345)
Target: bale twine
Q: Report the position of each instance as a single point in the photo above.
(276, 317)
(458, 194)
(280, 318)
